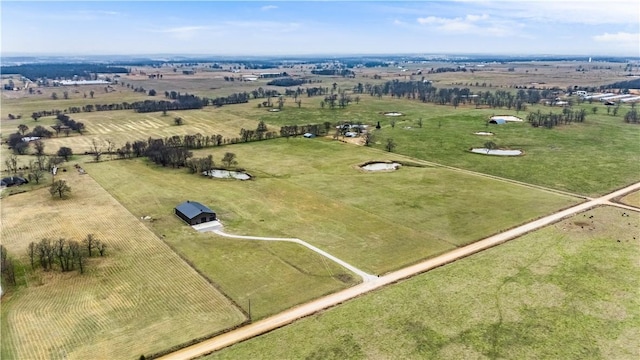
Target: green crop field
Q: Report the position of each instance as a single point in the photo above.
(567, 291)
(139, 299)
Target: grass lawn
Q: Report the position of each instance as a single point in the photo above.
(568, 291)
(139, 299)
(313, 190)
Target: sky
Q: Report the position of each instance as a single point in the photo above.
(543, 27)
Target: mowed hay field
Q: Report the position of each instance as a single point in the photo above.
(567, 291)
(126, 125)
(139, 299)
(312, 189)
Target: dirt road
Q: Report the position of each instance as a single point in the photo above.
(289, 316)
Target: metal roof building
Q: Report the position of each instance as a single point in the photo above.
(192, 212)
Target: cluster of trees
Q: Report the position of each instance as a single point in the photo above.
(61, 71)
(333, 72)
(200, 165)
(550, 120)
(286, 82)
(342, 100)
(167, 153)
(295, 130)
(64, 255)
(14, 141)
(426, 92)
(206, 164)
(184, 102)
(446, 69)
(7, 268)
(65, 123)
(260, 133)
(37, 168)
(198, 141)
(632, 116)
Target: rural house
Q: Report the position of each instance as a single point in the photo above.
(193, 213)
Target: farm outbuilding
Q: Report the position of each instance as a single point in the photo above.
(13, 181)
(192, 212)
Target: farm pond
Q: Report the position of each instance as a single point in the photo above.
(497, 152)
(227, 174)
(381, 166)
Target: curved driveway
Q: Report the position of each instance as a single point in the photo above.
(289, 316)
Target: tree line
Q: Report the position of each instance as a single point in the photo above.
(538, 119)
(61, 71)
(64, 255)
(426, 92)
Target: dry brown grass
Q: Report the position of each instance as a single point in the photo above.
(632, 199)
(141, 298)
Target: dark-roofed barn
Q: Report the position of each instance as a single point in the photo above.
(193, 213)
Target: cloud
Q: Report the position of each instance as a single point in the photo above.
(467, 24)
(182, 29)
(564, 11)
(268, 7)
(621, 41)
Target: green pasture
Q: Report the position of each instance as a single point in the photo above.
(313, 190)
(567, 291)
(589, 158)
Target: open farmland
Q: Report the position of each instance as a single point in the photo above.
(140, 298)
(312, 189)
(573, 150)
(376, 222)
(126, 125)
(566, 291)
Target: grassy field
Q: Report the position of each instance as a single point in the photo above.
(376, 222)
(140, 298)
(574, 151)
(126, 125)
(568, 291)
(632, 199)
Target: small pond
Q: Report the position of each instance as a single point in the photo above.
(226, 174)
(498, 152)
(381, 166)
(393, 113)
(483, 133)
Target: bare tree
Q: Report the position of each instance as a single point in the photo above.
(36, 172)
(101, 247)
(369, 138)
(110, 148)
(229, 159)
(33, 249)
(96, 148)
(60, 188)
(90, 242)
(420, 122)
(12, 164)
(390, 145)
(23, 129)
(38, 146)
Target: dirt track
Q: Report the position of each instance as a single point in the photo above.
(289, 316)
